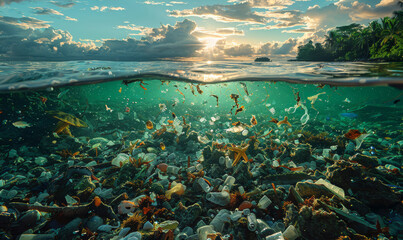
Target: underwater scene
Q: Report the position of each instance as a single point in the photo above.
(160, 157)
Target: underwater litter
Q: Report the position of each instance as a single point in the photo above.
(166, 159)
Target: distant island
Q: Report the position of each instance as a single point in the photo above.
(379, 41)
(262, 59)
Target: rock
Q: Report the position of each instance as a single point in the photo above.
(262, 59)
(12, 154)
(26, 221)
(94, 223)
(366, 161)
(148, 226)
(188, 215)
(301, 154)
(41, 161)
(306, 189)
(68, 232)
(374, 193)
(308, 221)
(342, 172)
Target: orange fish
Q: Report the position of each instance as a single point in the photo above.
(170, 121)
(352, 134)
(127, 109)
(239, 110)
(43, 99)
(162, 146)
(236, 123)
(120, 90)
(149, 125)
(285, 121)
(273, 120)
(1, 111)
(253, 120)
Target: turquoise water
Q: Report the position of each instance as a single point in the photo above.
(197, 124)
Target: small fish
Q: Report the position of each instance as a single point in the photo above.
(127, 109)
(108, 108)
(198, 89)
(120, 90)
(349, 115)
(253, 120)
(43, 99)
(396, 101)
(239, 110)
(347, 100)
(162, 146)
(60, 95)
(173, 115)
(274, 120)
(21, 124)
(1, 111)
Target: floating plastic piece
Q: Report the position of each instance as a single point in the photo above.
(219, 198)
(360, 140)
(276, 236)
(178, 189)
(120, 159)
(126, 207)
(333, 188)
(291, 233)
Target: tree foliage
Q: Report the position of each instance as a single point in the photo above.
(380, 40)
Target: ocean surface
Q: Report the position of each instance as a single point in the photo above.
(155, 140)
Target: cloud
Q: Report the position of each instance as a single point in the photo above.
(19, 42)
(132, 27)
(3, 2)
(282, 49)
(224, 13)
(218, 33)
(268, 4)
(71, 19)
(64, 3)
(24, 22)
(239, 50)
(105, 8)
(170, 4)
(46, 11)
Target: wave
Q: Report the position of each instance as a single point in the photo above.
(18, 76)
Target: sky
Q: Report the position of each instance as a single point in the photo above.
(137, 30)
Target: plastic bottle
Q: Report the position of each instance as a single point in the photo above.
(252, 222)
(173, 170)
(264, 202)
(219, 198)
(276, 236)
(291, 233)
(220, 219)
(203, 184)
(264, 229)
(203, 231)
(229, 181)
